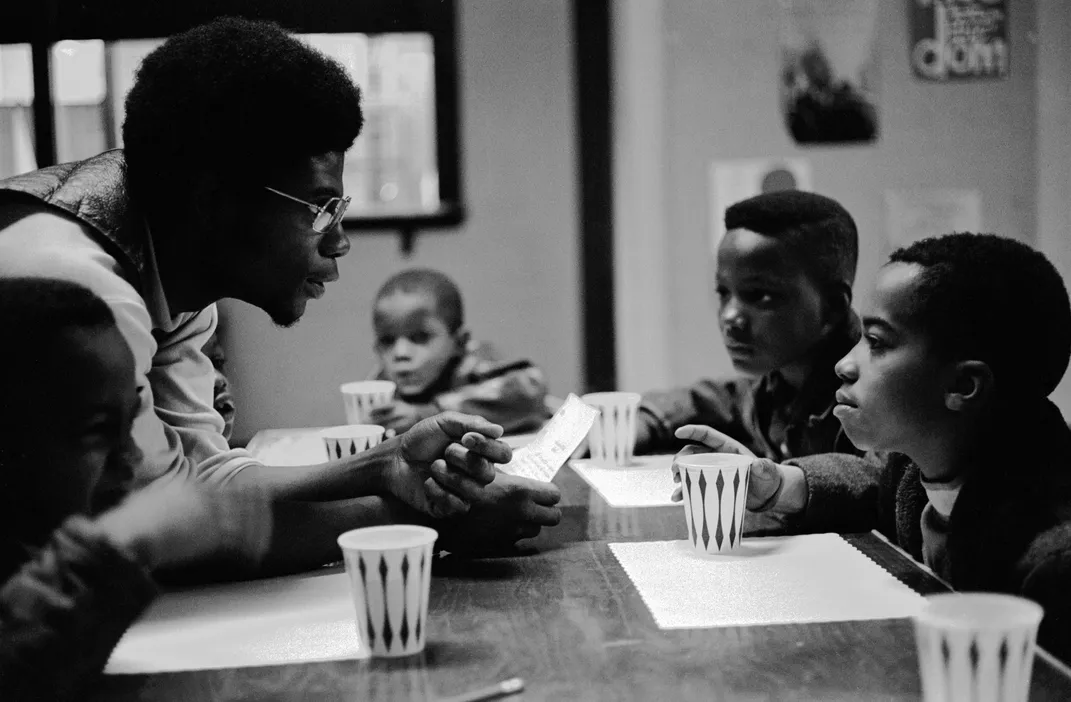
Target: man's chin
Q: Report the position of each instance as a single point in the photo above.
(287, 317)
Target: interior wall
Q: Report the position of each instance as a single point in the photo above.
(515, 257)
(1054, 147)
(720, 84)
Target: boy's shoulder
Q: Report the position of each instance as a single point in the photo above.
(482, 361)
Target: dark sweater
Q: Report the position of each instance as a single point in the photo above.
(63, 608)
(1009, 530)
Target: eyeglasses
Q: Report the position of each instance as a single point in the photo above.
(327, 217)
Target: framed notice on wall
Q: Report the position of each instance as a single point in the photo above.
(954, 40)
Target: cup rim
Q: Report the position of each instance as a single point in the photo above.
(406, 535)
(356, 387)
(352, 431)
(979, 611)
(712, 459)
(595, 397)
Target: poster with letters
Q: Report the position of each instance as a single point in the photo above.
(957, 40)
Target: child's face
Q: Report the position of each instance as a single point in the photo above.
(85, 461)
(414, 344)
(771, 313)
(893, 384)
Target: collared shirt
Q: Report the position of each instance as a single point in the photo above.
(177, 429)
(766, 414)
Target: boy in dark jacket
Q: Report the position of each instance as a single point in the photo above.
(77, 555)
(784, 281)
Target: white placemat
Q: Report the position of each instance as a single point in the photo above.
(296, 619)
(647, 483)
(777, 580)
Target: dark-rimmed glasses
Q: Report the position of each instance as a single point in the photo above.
(327, 216)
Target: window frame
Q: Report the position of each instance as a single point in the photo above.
(47, 22)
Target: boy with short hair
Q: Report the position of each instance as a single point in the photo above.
(76, 554)
(973, 476)
(784, 280)
(424, 346)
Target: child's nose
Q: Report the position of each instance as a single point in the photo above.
(733, 316)
(402, 349)
(846, 369)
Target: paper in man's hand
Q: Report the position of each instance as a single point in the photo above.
(551, 448)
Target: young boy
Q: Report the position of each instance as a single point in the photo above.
(75, 557)
(784, 281)
(971, 473)
(222, 400)
(424, 347)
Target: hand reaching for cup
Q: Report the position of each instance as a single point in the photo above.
(767, 478)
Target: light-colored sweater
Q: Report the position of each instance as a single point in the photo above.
(177, 428)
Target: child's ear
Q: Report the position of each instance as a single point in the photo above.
(971, 385)
(838, 305)
(461, 338)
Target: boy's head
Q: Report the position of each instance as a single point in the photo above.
(69, 399)
(785, 271)
(419, 325)
(937, 349)
(217, 115)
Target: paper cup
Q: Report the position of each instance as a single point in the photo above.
(714, 487)
(976, 647)
(350, 439)
(613, 435)
(360, 397)
(389, 568)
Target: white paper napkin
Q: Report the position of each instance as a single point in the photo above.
(779, 580)
(296, 619)
(646, 483)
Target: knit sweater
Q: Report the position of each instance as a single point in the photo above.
(1009, 529)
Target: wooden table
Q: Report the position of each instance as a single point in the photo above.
(566, 619)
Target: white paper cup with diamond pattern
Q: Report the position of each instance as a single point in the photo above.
(976, 647)
(613, 435)
(350, 439)
(714, 488)
(389, 569)
(362, 396)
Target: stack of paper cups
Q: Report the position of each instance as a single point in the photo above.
(350, 439)
(361, 397)
(976, 647)
(714, 487)
(613, 435)
(389, 569)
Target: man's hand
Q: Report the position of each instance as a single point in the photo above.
(708, 441)
(443, 464)
(400, 416)
(511, 508)
(183, 524)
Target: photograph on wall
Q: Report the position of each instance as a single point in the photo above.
(738, 179)
(829, 70)
(954, 40)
